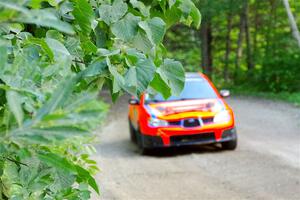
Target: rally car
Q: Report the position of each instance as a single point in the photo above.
(199, 115)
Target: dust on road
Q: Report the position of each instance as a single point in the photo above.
(266, 164)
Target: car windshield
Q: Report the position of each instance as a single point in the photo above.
(196, 88)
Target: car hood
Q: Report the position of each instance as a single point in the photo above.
(186, 108)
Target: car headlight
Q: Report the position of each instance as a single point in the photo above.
(157, 122)
(222, 117)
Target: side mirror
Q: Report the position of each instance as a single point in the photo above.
(133, 101)
(224, 93)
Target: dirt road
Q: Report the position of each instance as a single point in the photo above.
(266, 164)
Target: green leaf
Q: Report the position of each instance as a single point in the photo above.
(54, 34)
(57, 48)
(37, 3)
(3, 57)
(74, 47)
(14, 6)
(16, 27)
(160, 86)
(62, 180)
(65, 9)
(59, 96)
(85, 176)
(189, 10)
(140, 73)
(101, 36)
(41, 43)
(46, 18)
(87, 45)
(172, 73)
(84, 15)
(142, 42)
(106, 52)
(196, 16)
(182, 10)
(14, 104)
(185, 7)
(155, 29)
(57, 161)
(112, 13)
(126, 28)
(172, 16)
(172, 2)
(145, 10)
(99, 67)
(56, 132)
(131, 81)
(162, 4)
(118, 80)
(50, 134)
(67, 130)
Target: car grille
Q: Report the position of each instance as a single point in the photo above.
(203, 137)
(208, 120)
(187, 124)
(193, 122)
(174, 123)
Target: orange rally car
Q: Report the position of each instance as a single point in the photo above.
(199, 115)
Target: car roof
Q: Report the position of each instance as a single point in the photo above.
(193, 75)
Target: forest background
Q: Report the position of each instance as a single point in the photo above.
(247, 46)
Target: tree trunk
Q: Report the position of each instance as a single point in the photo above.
(239, 49)
(270, 28)
(206, 48)
(292, 21)
(250, 63)
(256, 24)
(228, 46)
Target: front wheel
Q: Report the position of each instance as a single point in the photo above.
(141, 148)
(132, 132)
(230, 145)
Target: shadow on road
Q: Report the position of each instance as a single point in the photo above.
(184, 150)
(125, 148)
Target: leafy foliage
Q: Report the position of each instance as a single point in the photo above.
(280, 74)
(54, 58)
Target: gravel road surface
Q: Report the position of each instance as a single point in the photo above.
(266, 164)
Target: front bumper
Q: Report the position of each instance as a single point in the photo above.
(188, 139)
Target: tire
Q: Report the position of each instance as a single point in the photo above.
(142, 150)
(230, 145)
(132, 132)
